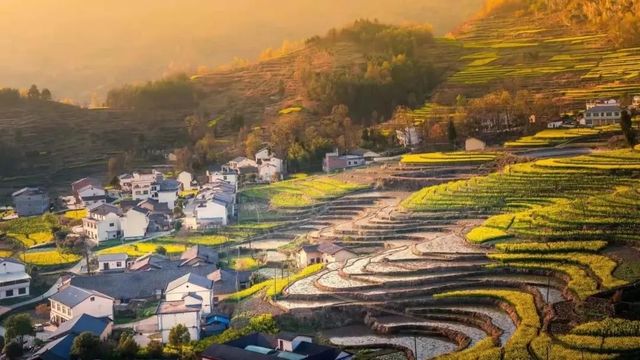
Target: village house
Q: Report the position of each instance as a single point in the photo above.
(147, 262)
(334, 253)
(198, 255)
(230, 177)
(166, 191)
(14, 280)
(368, 155)
(192, 284)
(141, 183)
(60, 341)
(270, 167)
(30, 201)
(102, 223)
(227, 282)
(308, 255)
(135, 223)
(112, 262)
(474, 144)
(185, 179)
(186, 311)
(409, 136)
(260, 346)
(600, 113)
(72, 301)
(635, 103)
(334, 161)
(150, 273)
(88, 192)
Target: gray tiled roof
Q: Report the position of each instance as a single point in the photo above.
(80, 324)
(139, 284)
(113, 257)
(191, 278)
(73, 295)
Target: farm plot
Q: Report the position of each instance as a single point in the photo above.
(31, 231)
(527, 185)
(142, 248)
(553, 137)
(454, 158)
(298, 193)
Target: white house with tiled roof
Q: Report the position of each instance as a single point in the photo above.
(71, 301)
(14, 280)
(102, 223)
(191, 284)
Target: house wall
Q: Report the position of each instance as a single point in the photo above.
(167, 321)
(206, 295)
(91, 191)
(10, 288)
(306, 259)
(134, 225)
(268, 173)
(28, 205)
(101, 230)
(185, 179)
(98, 307)
(112, 265)
(212, 212)
(231, 178)
(168, 197)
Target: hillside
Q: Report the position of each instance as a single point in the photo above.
(54, 143)
(545, 54)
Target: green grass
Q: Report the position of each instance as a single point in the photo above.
(142, 248)
(483, 234)
(49, 258)
(31, 231)
(275, 286)
(76, 214)
(244, 263)
(553, 137)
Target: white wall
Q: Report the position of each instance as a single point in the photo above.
(167, 321)
(97, 307)
(185, 178)
(212, 210)
(206, 295)
(134, 224)
(113, 265)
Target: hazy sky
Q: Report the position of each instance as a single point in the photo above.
(81, 47)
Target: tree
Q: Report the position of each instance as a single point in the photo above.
(127, 347)
(179, 335)
(627, 128)
(46, 94)
(184, 159)
(86, 346)
(115, 166)
(43, 310)
(13, 350)
(161, 250)
(253, 143)
(452, 134)
(155, 349)
(33, 92)
(17, 326)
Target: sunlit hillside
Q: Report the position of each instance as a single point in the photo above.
(78, 48)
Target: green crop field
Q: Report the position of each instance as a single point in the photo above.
(30, 231)
(303, 192)
(553, 137)
(453, 158)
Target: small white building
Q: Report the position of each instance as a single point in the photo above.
(186, 180)
(88, 192)
(474, 144)
(135, 223)
(30, 201)
(600, 113)
(186, 311)
(230, 177)
(14, 280)
(191, 284)
(71, 301)
(141, 184)
(270, 167)
(112, 262)
(334, 161)
(308, 255)
(102, 223)
(334, 253)
(166, 191)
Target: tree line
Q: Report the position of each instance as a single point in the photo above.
(175, 92)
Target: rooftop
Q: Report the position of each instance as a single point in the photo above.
(73, 295)
(113, 257)
(29, 191)
(80, 324)
(190, 278)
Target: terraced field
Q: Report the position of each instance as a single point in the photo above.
(544, 54)
(553, 137)
(523, 294)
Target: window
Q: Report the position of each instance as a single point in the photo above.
(9, 293)
(608, 114)
(22, 291)
(111, 224)
(617, 113)
(93, 298)
(119, 264)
